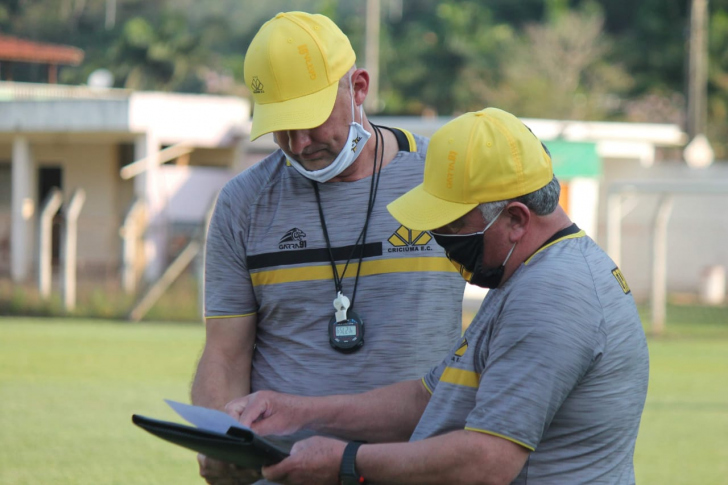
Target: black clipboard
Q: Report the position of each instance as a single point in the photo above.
(238, 446)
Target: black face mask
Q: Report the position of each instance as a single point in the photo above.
(466, 253)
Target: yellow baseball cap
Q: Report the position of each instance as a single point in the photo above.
(293, 67)
(486, 156)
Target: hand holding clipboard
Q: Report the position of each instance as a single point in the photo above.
(216, 435)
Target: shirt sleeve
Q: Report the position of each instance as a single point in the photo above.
(534, 359)
(228, 287)
(433, 377)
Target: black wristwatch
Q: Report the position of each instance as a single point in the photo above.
(347, 472)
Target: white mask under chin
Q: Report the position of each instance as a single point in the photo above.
(358, 137)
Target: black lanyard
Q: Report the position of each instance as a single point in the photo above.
(373, 187)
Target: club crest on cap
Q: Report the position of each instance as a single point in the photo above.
(257, 86)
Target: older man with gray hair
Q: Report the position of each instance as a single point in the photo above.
(548, 383)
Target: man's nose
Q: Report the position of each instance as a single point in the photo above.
(298, 140)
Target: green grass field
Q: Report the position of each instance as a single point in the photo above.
(68, 389)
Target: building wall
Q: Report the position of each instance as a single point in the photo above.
(697, 229)
(94, 168)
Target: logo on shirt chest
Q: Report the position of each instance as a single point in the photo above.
(404, 240)
(293, 239)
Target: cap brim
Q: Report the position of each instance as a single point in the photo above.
(295, 114)
(419, 210)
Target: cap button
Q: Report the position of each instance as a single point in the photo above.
(280, 15)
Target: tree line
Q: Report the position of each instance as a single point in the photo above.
(612, 60)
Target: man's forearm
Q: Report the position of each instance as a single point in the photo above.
(223, 372)
(217, 382)
(464, 457)
(381, 415)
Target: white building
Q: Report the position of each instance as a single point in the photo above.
(83, 138)
(172, 153)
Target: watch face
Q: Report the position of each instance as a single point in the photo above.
(345, 330)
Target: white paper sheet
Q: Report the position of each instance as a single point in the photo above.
(205, 418)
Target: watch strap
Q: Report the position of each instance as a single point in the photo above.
(347, 472)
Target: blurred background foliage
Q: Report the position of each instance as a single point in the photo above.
(560, 59)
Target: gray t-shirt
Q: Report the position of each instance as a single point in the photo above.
(267, 255)
(556, 361)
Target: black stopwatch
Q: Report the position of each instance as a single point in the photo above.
(347, 336)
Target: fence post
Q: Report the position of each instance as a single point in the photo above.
(45, 247)
(659, 264)
(130, 232)
(70, 247)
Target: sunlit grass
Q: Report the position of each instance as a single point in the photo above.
(68, 388)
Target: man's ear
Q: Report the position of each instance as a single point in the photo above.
(360, 84)
(519, 220)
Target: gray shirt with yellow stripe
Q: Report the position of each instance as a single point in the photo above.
(266, 255)
(556, 361)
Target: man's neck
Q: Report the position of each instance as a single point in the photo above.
(541, 230)
(364, 165)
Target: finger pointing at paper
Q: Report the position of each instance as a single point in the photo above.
(268, 412)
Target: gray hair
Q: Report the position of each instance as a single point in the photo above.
(345, 80)
(541, 202)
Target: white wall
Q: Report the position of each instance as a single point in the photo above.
(697, 230)
(190, 191)
(92, 167)
(204, 121)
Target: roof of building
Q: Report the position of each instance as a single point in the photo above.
(15, 49)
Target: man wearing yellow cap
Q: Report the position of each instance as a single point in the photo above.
(548, 383)
(311, 286)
